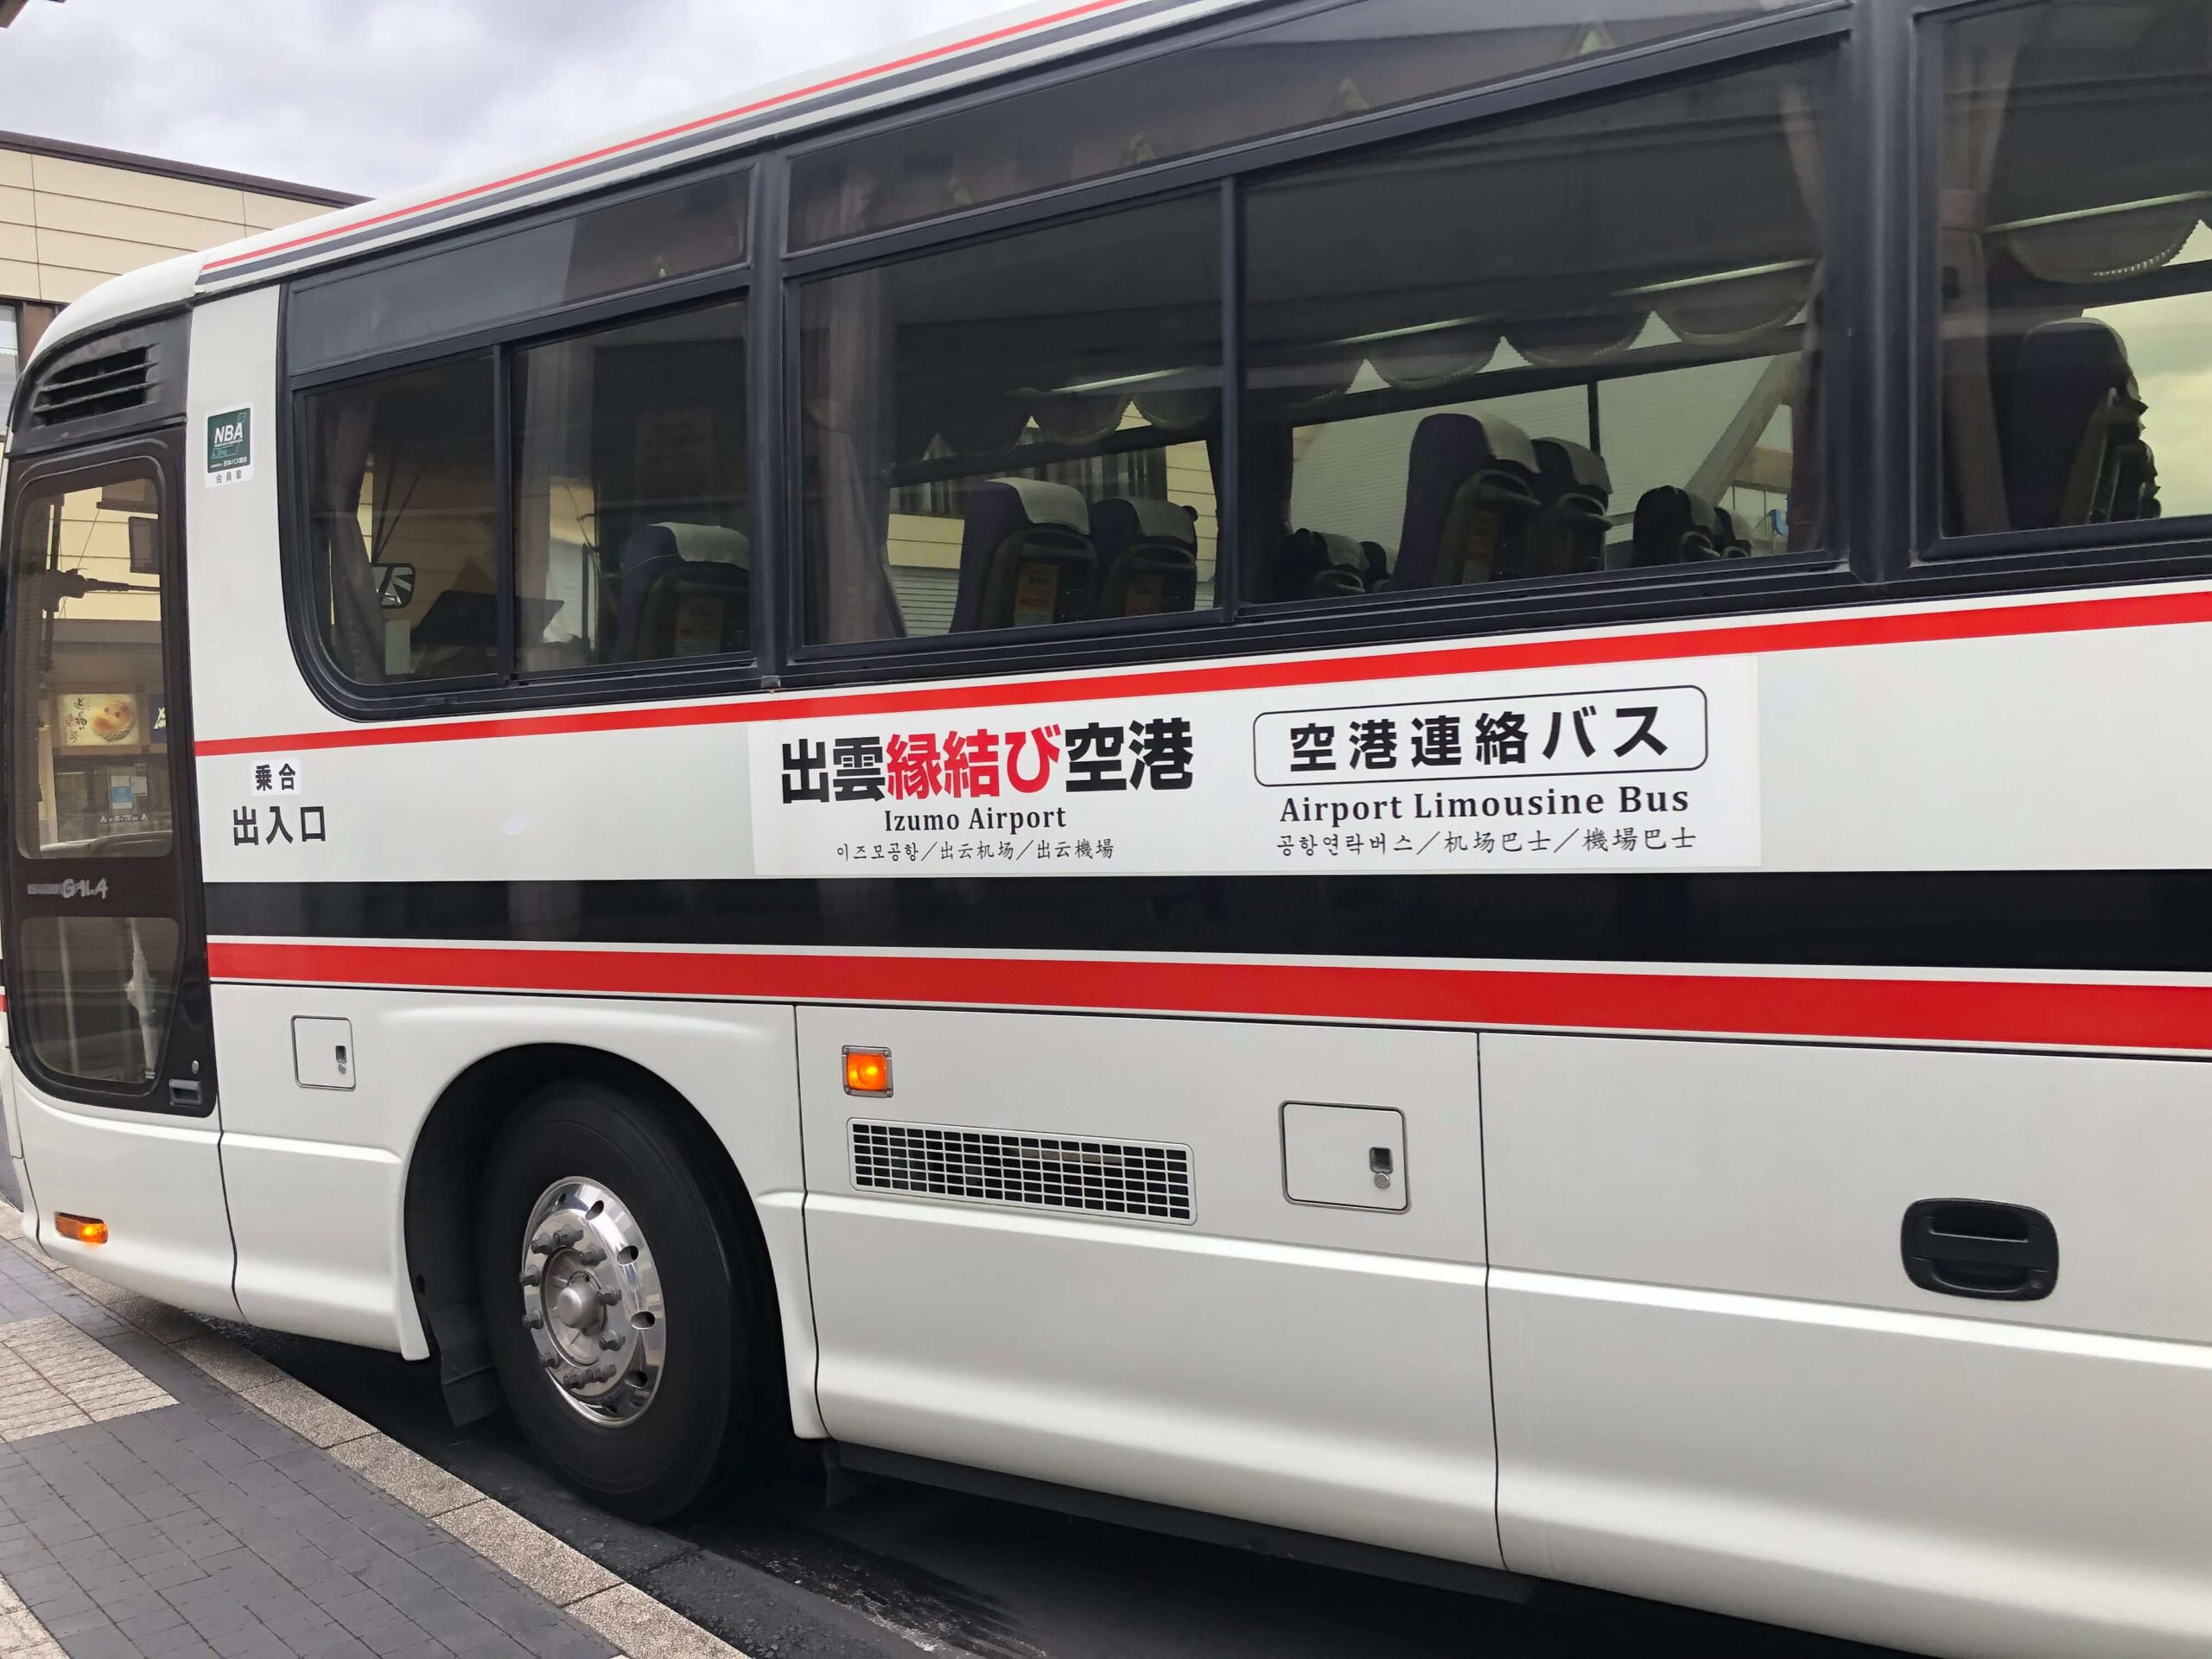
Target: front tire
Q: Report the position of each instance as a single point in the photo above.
(615, 1301)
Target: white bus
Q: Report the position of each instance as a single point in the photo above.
(1422, 772)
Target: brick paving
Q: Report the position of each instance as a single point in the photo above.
(148, 1511)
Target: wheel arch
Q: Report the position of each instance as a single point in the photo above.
(445, 1172)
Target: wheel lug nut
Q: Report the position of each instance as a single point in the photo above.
(609, 1341)
(610, 1294)
(532, 1277)
(533, 1321)
(590, 1255)
(552, 1362)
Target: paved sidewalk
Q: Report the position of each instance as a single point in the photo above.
(164, 1494)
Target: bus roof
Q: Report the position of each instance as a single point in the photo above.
(883, 81)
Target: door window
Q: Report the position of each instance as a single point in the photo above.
(94, 794)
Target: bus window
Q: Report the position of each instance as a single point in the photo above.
(1323, 65)
(1581, 343)
(682, 229)
(403, 521)
(1015, 433)
(2077, 249)
(631, 531)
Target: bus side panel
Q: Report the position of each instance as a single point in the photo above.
(317, 1175)
(1310, 1367)
(1716, 1382)
(155, 1179)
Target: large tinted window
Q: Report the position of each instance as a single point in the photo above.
(402, 516)
(1578, 344)
(1017, 432)
(1296, 74)
(688, 228)
(632, 532)
(2076, 242)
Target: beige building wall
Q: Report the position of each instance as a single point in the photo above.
(66, 225)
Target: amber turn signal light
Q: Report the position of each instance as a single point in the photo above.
(867, 1070)
(83, 1229)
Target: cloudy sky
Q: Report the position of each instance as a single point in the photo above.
(379, 95)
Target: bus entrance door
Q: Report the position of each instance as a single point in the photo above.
(106, 964)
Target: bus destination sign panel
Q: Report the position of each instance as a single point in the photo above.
(1539, 771)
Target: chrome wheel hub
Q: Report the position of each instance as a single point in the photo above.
(591, 1300)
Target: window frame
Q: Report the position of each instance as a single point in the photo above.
(1834, 29)
(507, 687)
(1939, 562)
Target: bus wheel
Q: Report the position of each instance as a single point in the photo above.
(612, 1301)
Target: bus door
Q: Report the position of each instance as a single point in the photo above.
(106, 959)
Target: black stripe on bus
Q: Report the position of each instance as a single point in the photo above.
(2115, 920)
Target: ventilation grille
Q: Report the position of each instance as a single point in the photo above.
(95, 385)
(1036, 1172)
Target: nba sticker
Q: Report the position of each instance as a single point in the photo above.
(230, 448)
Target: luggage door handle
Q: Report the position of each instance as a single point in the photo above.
(1971, 1247)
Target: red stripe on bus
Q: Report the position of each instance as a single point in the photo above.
(1891, 628)
(2001, 1012)
(851, 78)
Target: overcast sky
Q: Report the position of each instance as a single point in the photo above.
(380, 95)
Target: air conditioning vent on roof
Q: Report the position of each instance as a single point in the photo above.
(93, 385)
(1041, 1172)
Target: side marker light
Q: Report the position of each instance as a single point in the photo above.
(867, 1070)
(85, 1229)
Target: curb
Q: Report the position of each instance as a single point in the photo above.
(637, 1625)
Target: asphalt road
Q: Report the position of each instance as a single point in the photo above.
(896, 1568)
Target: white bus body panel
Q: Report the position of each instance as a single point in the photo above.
(1715, 1381)
(156, 1179)
(317, 1176)
(1317, 1367)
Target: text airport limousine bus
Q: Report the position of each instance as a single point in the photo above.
(1429, 774)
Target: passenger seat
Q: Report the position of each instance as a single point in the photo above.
(1569, 532)
(1149, 551)
(1470, 493)
(1026, 558)
(685, 590)
(1674, 527)
(2073, 448)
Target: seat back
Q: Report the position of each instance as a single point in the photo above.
(682, 590)
(1573, 489)
(1148, 551)
(1026, 556)
(1728, 540)
(1470, 496)
(1673, 527)
(2073, 442)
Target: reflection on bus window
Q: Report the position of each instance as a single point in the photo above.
(90, 709)
(95, 993)
(1017, 434)
(632, 538)
(1330, 65)
(2077, 247)
(402, 516)
(1582, 344)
